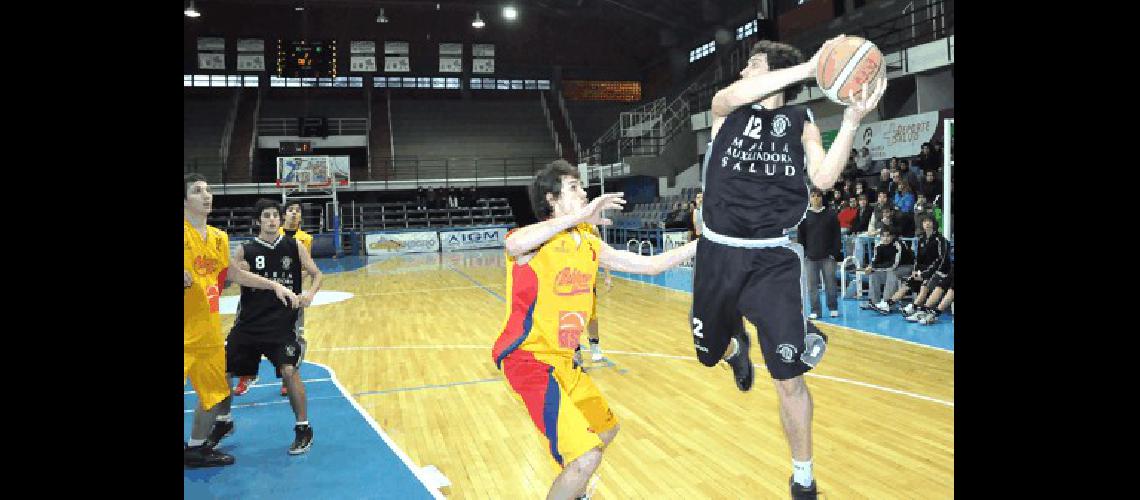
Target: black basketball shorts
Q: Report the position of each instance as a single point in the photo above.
(243, 358)
(765, 285)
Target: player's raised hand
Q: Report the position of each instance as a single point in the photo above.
(592, 212)
(866, 101)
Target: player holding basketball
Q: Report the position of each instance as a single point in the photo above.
(264, 327)
(206, 264)
(756, 176)
(552, 266)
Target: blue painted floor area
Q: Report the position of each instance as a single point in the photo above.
(940, 334)
(348, 456)
(343, 264)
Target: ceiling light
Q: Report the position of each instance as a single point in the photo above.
(191, 11)
(478, 22)
(510, 13)
(381, 18)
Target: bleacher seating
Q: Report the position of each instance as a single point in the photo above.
(403, 215)
(465, 128)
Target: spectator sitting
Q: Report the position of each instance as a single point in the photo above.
(892, 262)
(932, 312)
(922, 208)
(862, 189)
(926, 158)
(676, 218)
(932, 263)
(877, 214)
(863, 218)
(908, 174)
(901, 222)
(882, 183)
(848, 214)
(930, 185)
(904, 198)
(863, 161)
(697, 222)
(838, 200)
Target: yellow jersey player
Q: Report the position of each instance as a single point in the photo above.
(551, 269)
(205, 266)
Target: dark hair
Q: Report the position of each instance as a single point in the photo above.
(816, 191)
(189, 179)
(930, 218)
(549, 180)
(780, 56)
(862, 196)
(264, 204)
(294, 202)
(887, 231)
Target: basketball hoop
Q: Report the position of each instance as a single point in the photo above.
(304, 173)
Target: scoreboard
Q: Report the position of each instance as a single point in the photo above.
(306, 58)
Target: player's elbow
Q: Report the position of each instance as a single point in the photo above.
(514, 249)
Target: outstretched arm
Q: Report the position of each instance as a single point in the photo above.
(630, 262)
(528, 238)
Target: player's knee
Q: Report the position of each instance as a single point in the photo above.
(791, 388)
(586, 464)
(608, 436)
(287, 371)
(707, 358)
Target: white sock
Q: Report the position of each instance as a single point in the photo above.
(306, 422)
(801, 473)
(195, 442)
(735, 349)
(225, 418)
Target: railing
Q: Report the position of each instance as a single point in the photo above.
(253, 138)
(550, 124)
(228, 130)
(337, 126)
(403, 172)
(569, 125)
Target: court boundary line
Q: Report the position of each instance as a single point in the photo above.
(326, 379)
(652, 355)
(399, 452)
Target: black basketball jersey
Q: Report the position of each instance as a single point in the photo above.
(755, 178)
(261, 316)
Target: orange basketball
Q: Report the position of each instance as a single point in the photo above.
(846, 66)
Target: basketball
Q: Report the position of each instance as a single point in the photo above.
(846, 66)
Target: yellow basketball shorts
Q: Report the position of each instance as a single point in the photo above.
(206, 369)
(562, 401)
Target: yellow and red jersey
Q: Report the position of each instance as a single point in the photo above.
(207, 260)
(550, 297)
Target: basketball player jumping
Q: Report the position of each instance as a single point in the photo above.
(206, 263)
(552, 266)
(264, 327)
(761, 159)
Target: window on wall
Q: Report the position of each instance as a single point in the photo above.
(702, 51)
(747, 30)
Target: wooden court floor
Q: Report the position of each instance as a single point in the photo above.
(413, 346)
